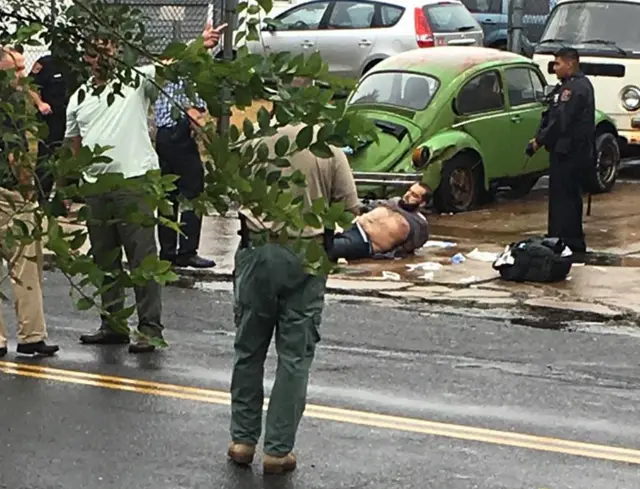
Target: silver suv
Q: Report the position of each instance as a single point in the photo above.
(352, 36)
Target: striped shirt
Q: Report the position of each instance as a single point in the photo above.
(174, 95)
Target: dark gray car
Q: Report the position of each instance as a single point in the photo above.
(493, 16)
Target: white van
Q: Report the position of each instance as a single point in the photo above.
(606, 33)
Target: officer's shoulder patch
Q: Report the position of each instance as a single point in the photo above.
(565, 96)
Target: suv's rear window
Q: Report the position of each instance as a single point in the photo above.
(449, 17)
(407, 90)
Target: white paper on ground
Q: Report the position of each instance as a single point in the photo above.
(482, 256)
(439, 244)
(390, 275)
(427, 276)
(566, 252)
(428, 266)
(469, 280)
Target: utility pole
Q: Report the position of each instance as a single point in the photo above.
(229, 18)
(516, 12)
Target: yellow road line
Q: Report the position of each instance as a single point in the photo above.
(361, 418)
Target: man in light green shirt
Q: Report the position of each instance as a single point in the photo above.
(123, 126)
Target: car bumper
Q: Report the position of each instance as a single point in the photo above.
(387, 179)
(631, 136)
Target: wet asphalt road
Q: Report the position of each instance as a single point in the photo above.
(375, 356)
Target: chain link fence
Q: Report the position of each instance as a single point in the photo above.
(165, 21)
(535, 17)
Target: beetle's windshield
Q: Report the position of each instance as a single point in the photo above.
(614, 25)
(407, 90)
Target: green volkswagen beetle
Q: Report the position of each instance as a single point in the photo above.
(459, 119)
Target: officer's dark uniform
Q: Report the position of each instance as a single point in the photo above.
(567, 131)
(52, 84)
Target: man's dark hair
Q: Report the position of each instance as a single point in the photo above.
(19, 48)
(568, 54)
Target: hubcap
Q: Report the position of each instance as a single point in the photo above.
(462, 187)
(606, 163)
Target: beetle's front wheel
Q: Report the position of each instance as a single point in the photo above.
(461, 185)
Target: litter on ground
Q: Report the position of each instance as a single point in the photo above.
(439, 244)
(390, 275)
(482, 256)
(428, 266)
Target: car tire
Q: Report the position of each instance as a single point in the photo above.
(461, 185)
(369, 66)
(602, 177)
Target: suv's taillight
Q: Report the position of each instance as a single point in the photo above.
(424, 33)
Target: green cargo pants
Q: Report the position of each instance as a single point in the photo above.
(273, 293)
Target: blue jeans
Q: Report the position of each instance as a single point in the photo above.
(350, 245)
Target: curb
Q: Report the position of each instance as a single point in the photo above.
(553, 314)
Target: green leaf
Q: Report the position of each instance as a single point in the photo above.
(282, 146)
(325, 132)
(310, 219)
(304, 137)
(248, 129)
(263, 152)
(321, 150)
(283, 116)
(318, 206)
(84, 304)
(234, 133)
(314, 64)
(267, 5)
(273, 177)
(314, 251)
(264, 118)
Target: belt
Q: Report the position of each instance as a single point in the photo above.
(274, 238)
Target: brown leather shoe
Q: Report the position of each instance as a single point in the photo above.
(241, 453)
(279, 465)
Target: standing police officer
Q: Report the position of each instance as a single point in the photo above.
(52, 108)
(273, 293)
(568, 132)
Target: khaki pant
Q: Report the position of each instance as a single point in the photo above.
(25, 270)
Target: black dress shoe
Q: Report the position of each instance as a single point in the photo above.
(38, 348)
(194, 261)
(3, 351)
(105, 337)
(144, 345)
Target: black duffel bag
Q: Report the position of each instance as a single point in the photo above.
(536, 259)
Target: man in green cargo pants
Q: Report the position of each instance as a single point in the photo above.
(274, 294)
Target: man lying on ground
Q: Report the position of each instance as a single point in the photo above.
(393, 229)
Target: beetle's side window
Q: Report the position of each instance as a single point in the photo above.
(482, 94)
(538, 85)
(521, 87)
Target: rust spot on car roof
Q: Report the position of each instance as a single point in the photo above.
(450, 60)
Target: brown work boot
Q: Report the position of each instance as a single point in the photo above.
(241, 453)
(279, 465)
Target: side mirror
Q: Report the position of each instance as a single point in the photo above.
(548, 90)
(269, 28)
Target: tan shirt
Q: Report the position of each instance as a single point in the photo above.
(330, 178)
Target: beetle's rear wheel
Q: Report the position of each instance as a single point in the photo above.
(461, 185)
